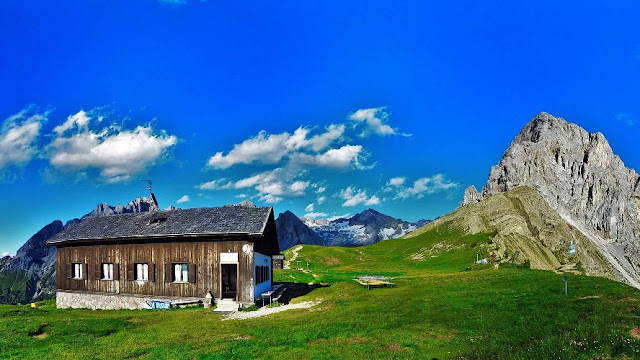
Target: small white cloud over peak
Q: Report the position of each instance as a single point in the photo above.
(314, 215)
(6, 253)
(396, 181)
(374, 122)
(336, 217)
(354, 197)
(183, 199)
(309, 208)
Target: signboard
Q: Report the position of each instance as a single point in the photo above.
(277, 257)
(160, 305)
(229, 258)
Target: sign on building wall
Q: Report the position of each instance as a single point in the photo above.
(229, 258)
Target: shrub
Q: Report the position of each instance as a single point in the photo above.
(251, 307)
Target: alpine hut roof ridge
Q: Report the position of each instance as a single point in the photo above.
(212, 221)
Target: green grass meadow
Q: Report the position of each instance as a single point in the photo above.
(443, 306)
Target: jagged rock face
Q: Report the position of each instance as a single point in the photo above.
(292, 231)
(243, 203)
(576, 172)
(471, 196)
(140, 204)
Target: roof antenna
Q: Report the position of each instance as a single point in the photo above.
(153, 197)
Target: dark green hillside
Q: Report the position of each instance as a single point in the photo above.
(443, 307)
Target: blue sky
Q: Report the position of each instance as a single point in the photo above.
(317, 107)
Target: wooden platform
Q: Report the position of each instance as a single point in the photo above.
(374, 281)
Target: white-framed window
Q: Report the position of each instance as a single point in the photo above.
(77, 271)
(107, 271)
(142, 272)
(180, 273)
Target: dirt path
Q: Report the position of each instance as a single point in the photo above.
(287, 263)
(608, 252)
(264, 311)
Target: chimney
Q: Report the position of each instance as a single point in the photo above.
(155, 202)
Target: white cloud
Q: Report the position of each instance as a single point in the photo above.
(173, 2)
(426, 185)
(355, 197)
(272, 186)
(183, 199)
(626, 118)
(79, 120)
(118, 154)
(19, 137)
(374, 120)
(273, 148)
(321, 200)
(313, 215)
(216, 185)
(338, 159)
(309, 208)
(321, 189)
(396, 181)
(266, 149)
(6, 253)
(336, 217)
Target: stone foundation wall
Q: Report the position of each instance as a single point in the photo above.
(81, 300)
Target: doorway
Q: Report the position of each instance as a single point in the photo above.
(229, 281)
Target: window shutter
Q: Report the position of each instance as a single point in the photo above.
(97, 274)
(130, 276)
(167, 273)
(85, 271)
(69, 271)
(192, 272)
(116, 271)
(152, 272)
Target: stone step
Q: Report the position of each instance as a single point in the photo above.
(226, 306)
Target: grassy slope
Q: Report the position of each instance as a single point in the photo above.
(443, 307)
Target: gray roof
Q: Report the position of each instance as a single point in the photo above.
(219, 221)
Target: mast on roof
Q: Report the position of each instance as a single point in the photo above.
(153, 197)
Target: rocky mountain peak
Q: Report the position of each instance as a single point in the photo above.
(578, 174)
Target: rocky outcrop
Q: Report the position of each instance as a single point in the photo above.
(471, 196)
(581, 178)
(292, 231)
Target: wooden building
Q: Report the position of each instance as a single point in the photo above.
(128, 260)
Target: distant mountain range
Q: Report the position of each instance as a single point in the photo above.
(365, 228)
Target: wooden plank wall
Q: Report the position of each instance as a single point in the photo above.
(204, 254)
